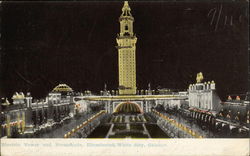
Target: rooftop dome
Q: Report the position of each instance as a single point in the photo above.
(18, 96)
(62, 88)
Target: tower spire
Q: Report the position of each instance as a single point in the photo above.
(126, 10)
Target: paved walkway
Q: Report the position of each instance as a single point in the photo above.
(146, 131)
(127, 119)
(110, 132)
(127, 126)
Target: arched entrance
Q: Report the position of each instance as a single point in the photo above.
(128, 107)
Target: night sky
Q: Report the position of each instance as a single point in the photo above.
(46, 43)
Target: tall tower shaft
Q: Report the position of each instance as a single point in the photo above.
(126, 41)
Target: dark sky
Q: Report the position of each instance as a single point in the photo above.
(46, 43)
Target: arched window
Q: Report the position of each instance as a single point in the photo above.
(126, 27)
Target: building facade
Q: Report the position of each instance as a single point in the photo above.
(126, 41)
(24, 115)
(236, 110)
(203, 96)
(13, 117)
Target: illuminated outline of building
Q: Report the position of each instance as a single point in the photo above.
(126, 41)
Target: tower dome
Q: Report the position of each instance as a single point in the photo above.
(62, 88)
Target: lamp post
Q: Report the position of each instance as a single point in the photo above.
(178, 122)
(87, 117)
(88, 112)
(36, 114)
(190, 122)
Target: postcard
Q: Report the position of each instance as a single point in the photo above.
(124, 78)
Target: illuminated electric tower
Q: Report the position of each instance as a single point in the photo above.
(126, 41)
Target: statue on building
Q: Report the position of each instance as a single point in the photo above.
(105, 87)
(149, 86)
(199, 77)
